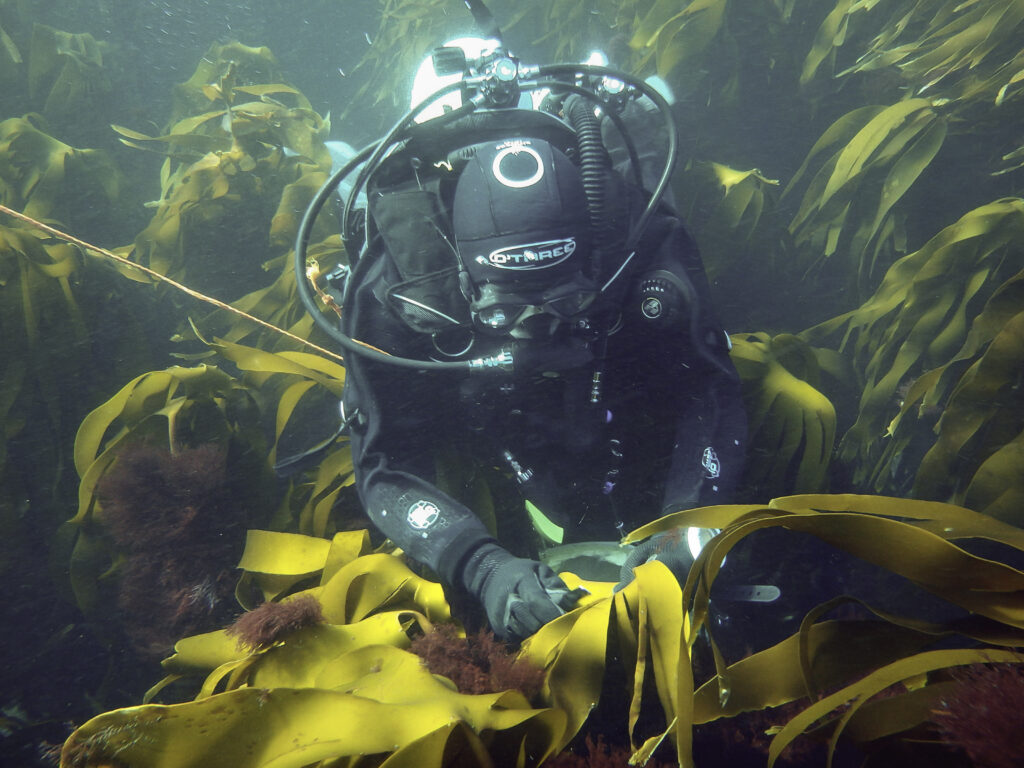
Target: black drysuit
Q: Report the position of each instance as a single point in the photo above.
(668, 432)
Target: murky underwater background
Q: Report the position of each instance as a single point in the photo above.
(821, 144)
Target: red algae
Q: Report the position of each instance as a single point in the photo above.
(269, 623)
(172, 517)
(984, 714)
(477, 664)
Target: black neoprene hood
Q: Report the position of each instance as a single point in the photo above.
(520, 215)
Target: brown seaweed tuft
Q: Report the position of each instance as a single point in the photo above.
(477, 664)
(984, 714)
(173, 517)
(269, 623)
(153, 499)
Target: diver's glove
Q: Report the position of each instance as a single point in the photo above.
(519, 595)
(669, 547)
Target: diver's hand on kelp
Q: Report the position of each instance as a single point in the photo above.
(519, 595)
(669, 547)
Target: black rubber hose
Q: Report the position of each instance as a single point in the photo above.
(593, 171)
(671, 152)
(620, 126)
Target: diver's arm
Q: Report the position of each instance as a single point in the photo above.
(398, 419)
(393, 458)
(517, 594)
(402, 415)
(710, 445)
(711, 424)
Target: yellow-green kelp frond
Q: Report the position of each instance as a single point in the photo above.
(257, 117)
(170, 409)
(962, 51)
(65, 72)
(738, 203)
(188, 237)
(51, 301)
(201, 405)
(242, 149)
(854, 659)
(250, 152)
(849, 222)
(792, 424)
(44, 347)
(37, 171)
(408, 31)
(337, 691)
(732, 214)
(278, 303)
(9, 53)
(744, 195)
(1012, 160)
(669, 35)
(232, 63)
(978, 455)
(918, 319)
(956, 51)
(283, 382)
(831, 36)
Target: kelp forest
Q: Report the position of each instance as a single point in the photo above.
(851, 171)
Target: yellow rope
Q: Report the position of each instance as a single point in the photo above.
(164, 279)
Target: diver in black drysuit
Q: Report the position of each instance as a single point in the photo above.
(668, 429)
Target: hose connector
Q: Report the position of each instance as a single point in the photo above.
(595, 387)
(502, 360)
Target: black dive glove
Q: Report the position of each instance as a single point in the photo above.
(519, 595)
(668, 547)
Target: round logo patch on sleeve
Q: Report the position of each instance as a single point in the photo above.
(711, 463)
(423, 514)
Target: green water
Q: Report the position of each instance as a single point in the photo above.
(756, 90)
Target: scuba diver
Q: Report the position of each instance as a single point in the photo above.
(519, 290)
